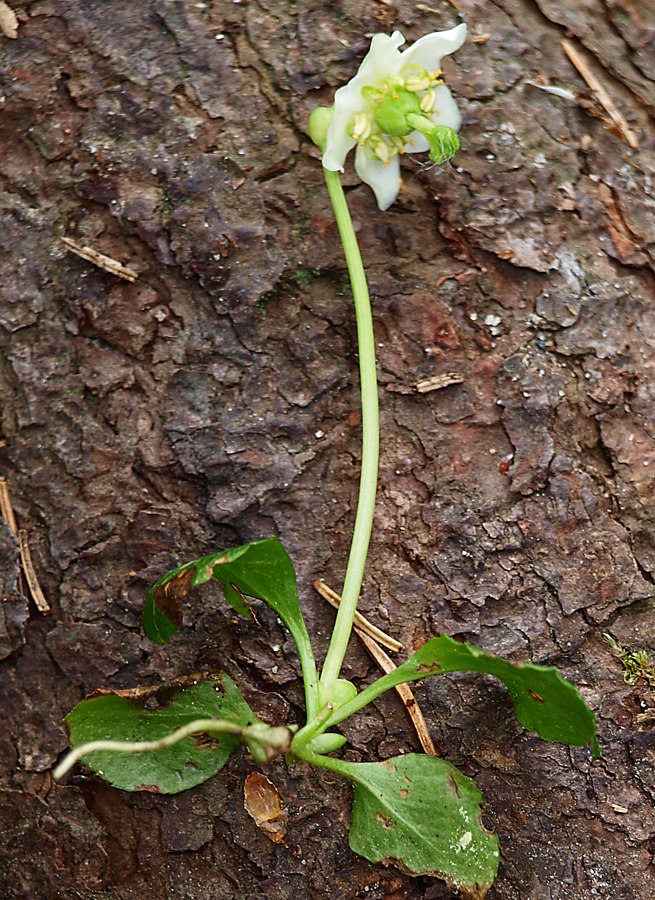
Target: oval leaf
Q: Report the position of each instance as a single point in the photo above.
(126, 716)
(421, 814)
(543, 701)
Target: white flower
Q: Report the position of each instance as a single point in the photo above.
(393, 105)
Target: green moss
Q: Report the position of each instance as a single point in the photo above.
(636, 664)
(303, 276)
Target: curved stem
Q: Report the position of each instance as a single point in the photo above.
(308, 667)
(370, 436)
(273, 740)
(349, 770)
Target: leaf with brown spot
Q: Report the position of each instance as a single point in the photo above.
(123, 716)
(385, 821)
(205, 741)
(543, 701)
(424, 669)
(420, 814)
(162, 616)
(261, 569)
(451, 784)
(262, 802)
(170, 594)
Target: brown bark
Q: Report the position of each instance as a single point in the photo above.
(146, 423)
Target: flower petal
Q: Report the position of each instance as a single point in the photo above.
(382, 60)
(416, 143)
(428, 51)
(446, 110)
(382, 178)
(337, 146)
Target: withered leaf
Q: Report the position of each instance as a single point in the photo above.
(262, 802)
(168, 596)
(8, 21)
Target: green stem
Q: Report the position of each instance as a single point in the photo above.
(271, 740)
(314, 726)
(326, 762)
(370, 436)
(310, 680)
(308, 666)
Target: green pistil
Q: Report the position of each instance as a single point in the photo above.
(372, 94)
(396, 111)
(444, 142)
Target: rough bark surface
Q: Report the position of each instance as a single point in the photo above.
(215, 401)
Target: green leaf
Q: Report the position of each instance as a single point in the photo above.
(262, 570)
(421, 814)
(126, 716)
(543, 701)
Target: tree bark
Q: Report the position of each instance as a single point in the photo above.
(214, 400)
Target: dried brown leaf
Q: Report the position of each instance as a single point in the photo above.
(8, 21)
(262, 801)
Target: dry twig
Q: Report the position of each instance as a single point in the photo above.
(30, 573)
(6, 509)
(404, 692)
(602, 96)
(439, 381)
(8, 517)
(100, 259)
(360, 622)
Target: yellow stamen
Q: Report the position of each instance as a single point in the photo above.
(382, 151)
(427, 101)
(361, 128)
(416, 83)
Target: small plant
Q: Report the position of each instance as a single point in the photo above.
(636, 664)
(416, 811)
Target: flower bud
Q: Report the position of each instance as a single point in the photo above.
(319, 123)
